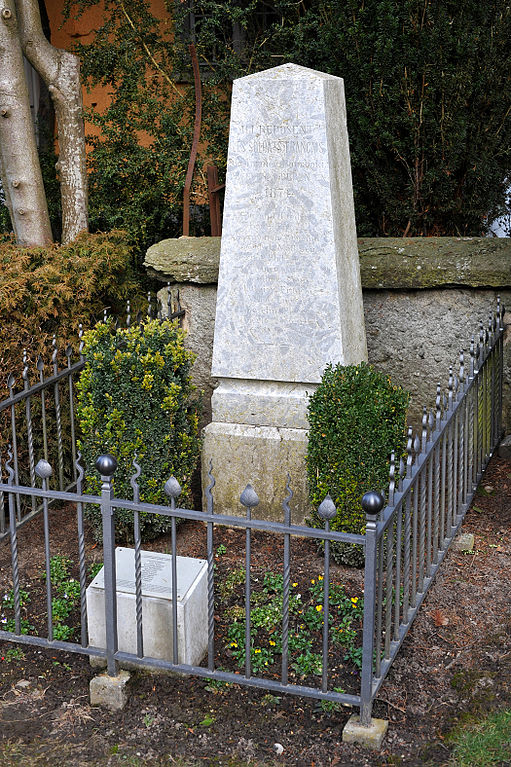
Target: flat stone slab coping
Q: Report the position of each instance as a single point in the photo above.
(386, 263)
(157, 612)
(369, 737)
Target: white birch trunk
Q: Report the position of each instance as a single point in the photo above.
(20, 171)
(61, 72)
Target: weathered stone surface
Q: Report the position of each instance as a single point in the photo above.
(369, 737)
(199, 303)
(463, 542)
(289, 296)
(186, 259)
(109, 691)
(414, 336)
(262, 403)
(386, 263)
(504, 449)
(418, 262)
(261, 456)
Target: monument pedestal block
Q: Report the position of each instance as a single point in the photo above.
(261, 455)
(262, 403)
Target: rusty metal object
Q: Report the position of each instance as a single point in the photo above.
(195, 143)
(214, 200)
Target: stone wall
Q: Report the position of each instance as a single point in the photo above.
(423, 298)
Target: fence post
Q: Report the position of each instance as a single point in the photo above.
(106, 466)
(372, 504)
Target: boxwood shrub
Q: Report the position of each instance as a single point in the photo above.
(136, 397)
(357, 417)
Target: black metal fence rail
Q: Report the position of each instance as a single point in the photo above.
(429, 492)
(106, 466)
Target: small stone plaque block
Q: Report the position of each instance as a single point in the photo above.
(156, 606)
(463, 542)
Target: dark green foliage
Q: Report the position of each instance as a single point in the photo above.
(357, 417)
(427, 91)
(138, 162)
(135, 398)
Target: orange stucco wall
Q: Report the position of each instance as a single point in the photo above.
(65, 35)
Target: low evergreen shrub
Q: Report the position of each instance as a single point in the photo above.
(54, 289)
(135, 396)
(357, 417)
(46, 291)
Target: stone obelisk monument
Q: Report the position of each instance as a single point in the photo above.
(289, 294)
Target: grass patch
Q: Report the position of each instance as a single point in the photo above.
(482, 743)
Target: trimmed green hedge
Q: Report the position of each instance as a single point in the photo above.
(357, 417)
(136, 397)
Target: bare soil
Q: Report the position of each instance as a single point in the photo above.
(455, 661)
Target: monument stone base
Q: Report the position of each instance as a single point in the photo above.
(259, 455)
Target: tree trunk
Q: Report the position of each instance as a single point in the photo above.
(61, 72)
(19, 165)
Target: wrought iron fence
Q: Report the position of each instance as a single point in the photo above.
(39, 420)
(404, 541)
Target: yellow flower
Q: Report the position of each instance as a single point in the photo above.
(320, 577)
(295, 585)
(257, 651)
(272, 643)
(234, 644)
(313, 581)
(354, 600)
(319, 608)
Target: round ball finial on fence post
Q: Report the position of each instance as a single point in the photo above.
(106, 465)
(372, 503)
